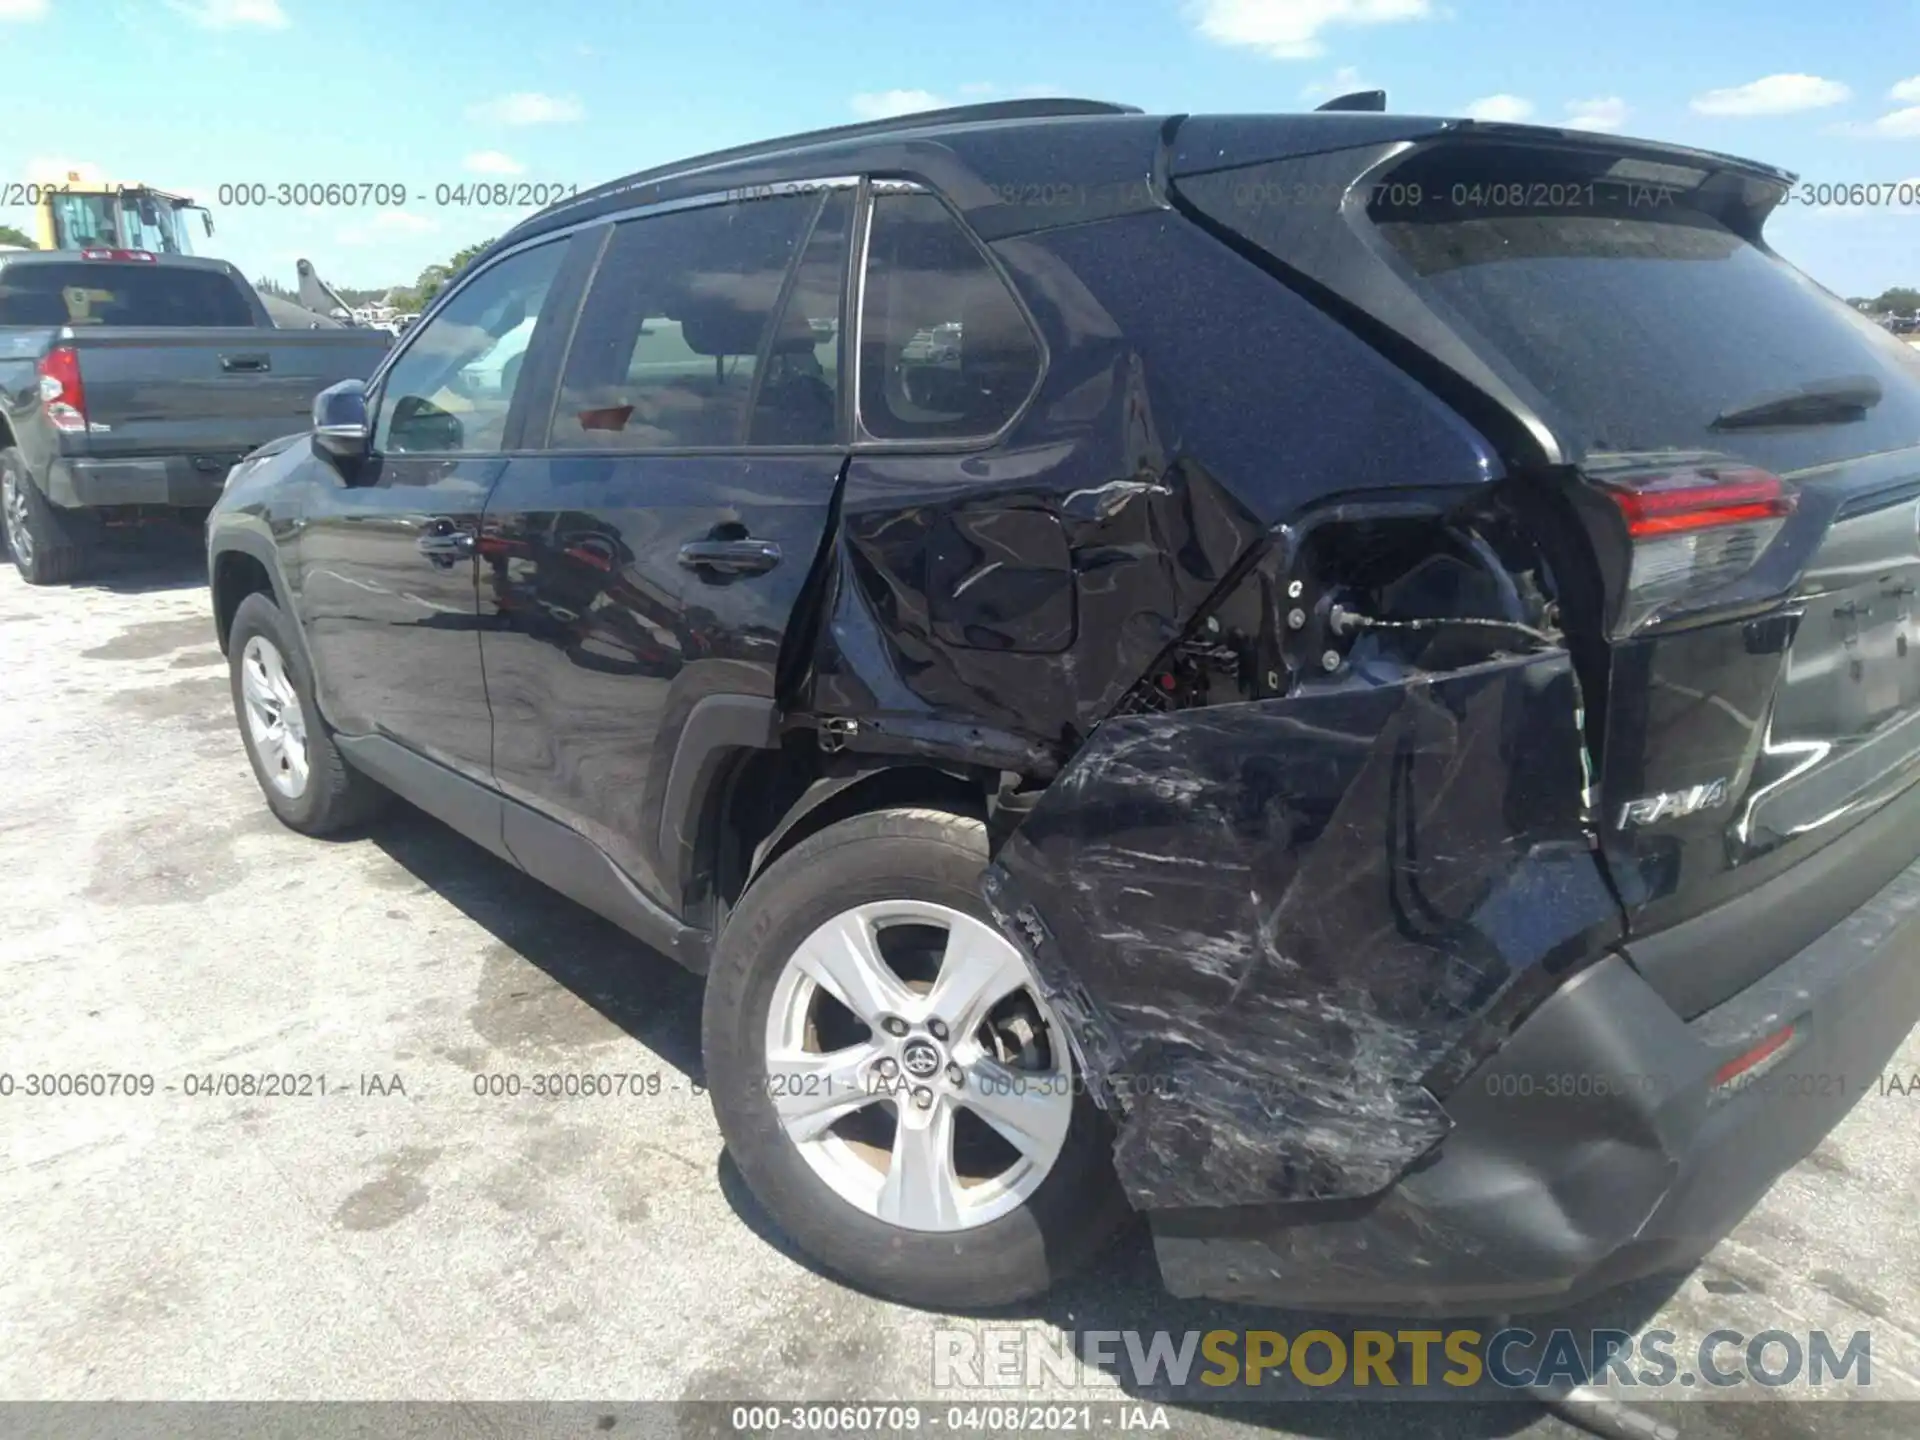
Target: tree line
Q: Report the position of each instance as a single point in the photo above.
(1900, 300)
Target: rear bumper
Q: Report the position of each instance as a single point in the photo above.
(1594, 1148)
(189, 481)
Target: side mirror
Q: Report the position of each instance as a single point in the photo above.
(420, 425)
(340, 430)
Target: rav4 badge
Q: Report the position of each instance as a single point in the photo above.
(1674, 804)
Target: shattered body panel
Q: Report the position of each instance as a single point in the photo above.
(1270, 923)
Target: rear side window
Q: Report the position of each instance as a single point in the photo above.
(945, 352)
(797, 400)
(104, 293)
(675, 326)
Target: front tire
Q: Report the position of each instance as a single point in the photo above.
(889, 1080)
(45, 550)
(307, 782)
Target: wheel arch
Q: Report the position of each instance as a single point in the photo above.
(768, 801)
(243, 561)
(235, 575)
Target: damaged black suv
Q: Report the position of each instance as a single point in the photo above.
(1344, 681)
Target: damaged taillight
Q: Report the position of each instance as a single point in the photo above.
(1695, 524)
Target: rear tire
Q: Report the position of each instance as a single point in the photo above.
(308, 783)
(45, 549)
(977, 1236)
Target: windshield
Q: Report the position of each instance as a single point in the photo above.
(129, 220)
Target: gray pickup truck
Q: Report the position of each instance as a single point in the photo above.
(130, 383)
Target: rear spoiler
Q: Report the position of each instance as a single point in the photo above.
(1736, 189)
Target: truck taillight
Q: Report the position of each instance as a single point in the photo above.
(1695, 524)
(62, 395)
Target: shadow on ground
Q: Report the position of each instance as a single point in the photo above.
(634, 986)
(147, 560)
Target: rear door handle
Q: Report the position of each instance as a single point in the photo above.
(246, 364)
(730, 557)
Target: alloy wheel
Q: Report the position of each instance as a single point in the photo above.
(13, 499)
(276, 726)
(913, 1063)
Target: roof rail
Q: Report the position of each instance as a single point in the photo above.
(1037, 109)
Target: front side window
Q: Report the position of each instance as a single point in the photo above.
(676, 324)
(945, 352)
(451, 390)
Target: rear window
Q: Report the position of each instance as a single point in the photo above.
(105, 293)
(1608, 296)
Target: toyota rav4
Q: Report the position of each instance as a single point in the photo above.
(1346, 681)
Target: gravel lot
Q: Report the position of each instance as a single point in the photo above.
(434, 1244)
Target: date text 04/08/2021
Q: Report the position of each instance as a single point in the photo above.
(195, 1084)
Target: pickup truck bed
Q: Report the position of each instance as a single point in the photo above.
(108, 423)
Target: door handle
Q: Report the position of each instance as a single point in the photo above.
(730, 557)
(245, 364)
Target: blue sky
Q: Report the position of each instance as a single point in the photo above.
(191, 94)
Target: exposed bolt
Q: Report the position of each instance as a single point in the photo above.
(1296, 619)
(887, 1068)
(1213, 624)
(1330, 661)
(937, 1029)
(1296, 590)
(894, 1025)
(955, 1075)
(1273, 679)
(923, 1098)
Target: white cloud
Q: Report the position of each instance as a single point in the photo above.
(1500, 107)
(1894, 125)
(527, 107)
(232, 14)
(492, 162)
(1345, 81)
(1290, 29)
(1772, 95)
(23, 9)
(1907, 90)
(1607, 112)
(884, 104)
